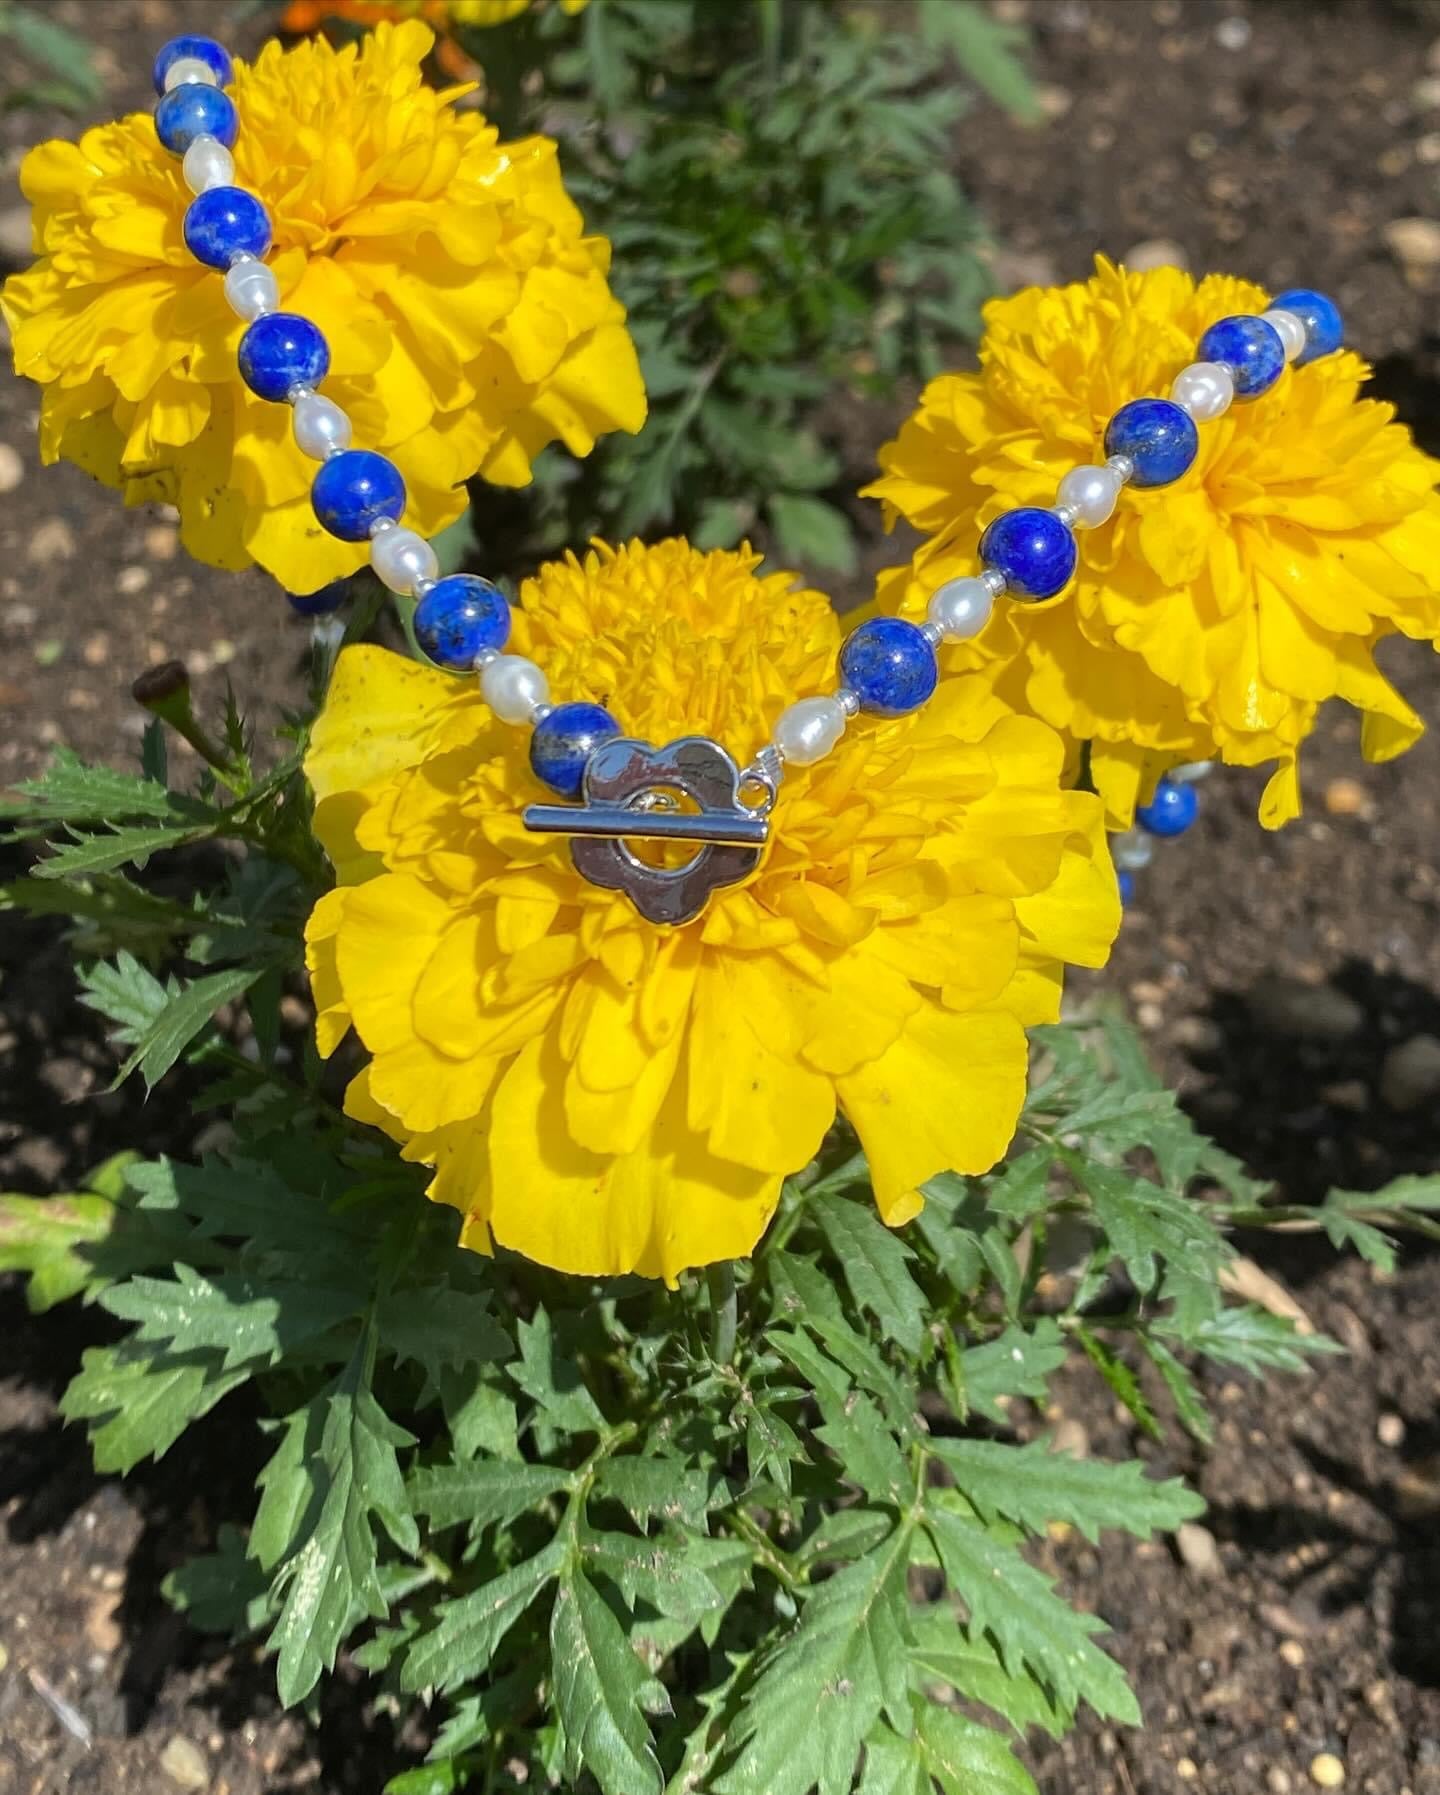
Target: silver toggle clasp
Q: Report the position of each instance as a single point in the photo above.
(633, 792)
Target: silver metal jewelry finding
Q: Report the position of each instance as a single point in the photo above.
(632, 792)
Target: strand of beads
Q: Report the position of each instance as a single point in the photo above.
(358, 495)
(1169, 813)
(889, 665)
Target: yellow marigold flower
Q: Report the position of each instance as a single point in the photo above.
(1211, 617)
(606, 1096)
(301, 16)
(468, 316)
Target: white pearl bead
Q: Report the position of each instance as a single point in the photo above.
(1289, 327)
(251, 289)
(189, 68)
(403, 559)
(514, 688)
(1191, 772)
(1205, 389)
(1132, 850)
(961, 608)
(207, 164)
(1090, 492)
(321, 428)
(807, 731)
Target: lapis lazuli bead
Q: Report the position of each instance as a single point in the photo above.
(1034, 549)
(459, 618)
(215, 57)
(563, 742)
(322, 603)
(1171, 811)
(226, 222)
(1158, 435)
(1324, 327)
(195, 110)
(354, 490)
(1126, 882)
(1250, 348)
(889, 665)
(280, 352)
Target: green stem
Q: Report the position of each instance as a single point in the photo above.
(724, 1311)
(779, 1563)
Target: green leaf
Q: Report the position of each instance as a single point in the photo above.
(430, 1779)
(223, 1591)
(1019, 1363)
(483, 1492)
(439, 1327)
(945, 1652)
(811, 533)
(819, 1692)
(669, 1573)
(946, 1749)
(287, 1487)
(772, 1446)
(168, 1034)
(1017, 1605)
(460, 1646)
(56, 48)
(1184, 1393)
(1121, 1379)
(335, 1569)
(45, 1237)
(1343, 1215)
(866, 1450)
(126, 993)
(874, 1261)
(1033, 1486)
(69, 791)
(600, 1691)
(1145, 1224)
(242, 1318)
(142, 1402)
(1248, 1336)
(553, 1383)
(655, 1487)
(116, 847)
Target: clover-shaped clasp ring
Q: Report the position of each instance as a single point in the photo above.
(633, 792)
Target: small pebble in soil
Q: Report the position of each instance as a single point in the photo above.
(131, 580)
(12, 468)
(1347, 797)
(184, 1763)
(51, 540)
(1288, 1006)
(1414, 242)
(1197, 1548)
(1390, 1431)
(1187, 1769)
(1327, 1771)
(1292, 1653)
(1155, 252)
(1410, 1074)
(1427, 149)
(1278, 1781)
(1233, 33)
(161, 542)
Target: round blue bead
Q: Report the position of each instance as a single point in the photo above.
(1159, 437)
(354, 490)
(564, 741)
(889, 665)
(205, 49)
(1250, 348)
(1171, 811)
(1324, 327)
(280, 352)
(1033, 549)
(195, 110)
(322, 603)
(223, 223)
(1126, 882)
(460, 617)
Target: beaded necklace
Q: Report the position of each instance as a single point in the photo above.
(692, 791)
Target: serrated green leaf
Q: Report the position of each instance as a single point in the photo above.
(223, 1591)
(1122, 1382)
(1033, 1486)
(45, 1238)
(600, 1691)
(334, 1570)
(818, 1694)
(168, 1034)
(114, 848)
(242, 1318)
(655, 1488)
(141, 1401)
(668, 1572)
(811, 533)
(287, 1487)
(461, 1644)
(1031, 1626)
(69, 791)
(772, 1446)
(946, 1750)
(483, 1492)
(944, 1224)
(875, 1264)
(853, 1430)
(804, 1293)
(552, 1382)
(125, 992)
(1019, 1363)
(437, 1327)
(1184, 1393)
(1145, 1225)
(430, 1779)
(947, 1653)
(1246, 1335)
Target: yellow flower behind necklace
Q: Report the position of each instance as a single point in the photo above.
(468, 316)
(606, 1096)
(1210, 618)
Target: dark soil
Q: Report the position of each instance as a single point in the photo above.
(1274, 138)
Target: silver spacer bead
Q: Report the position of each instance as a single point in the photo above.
(994, 581)
(848, 701)
(1123, 465)
(1067, 514)
(421, 587)
(540, 713)
(380, 526)
(484, 658)
(932, 633)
